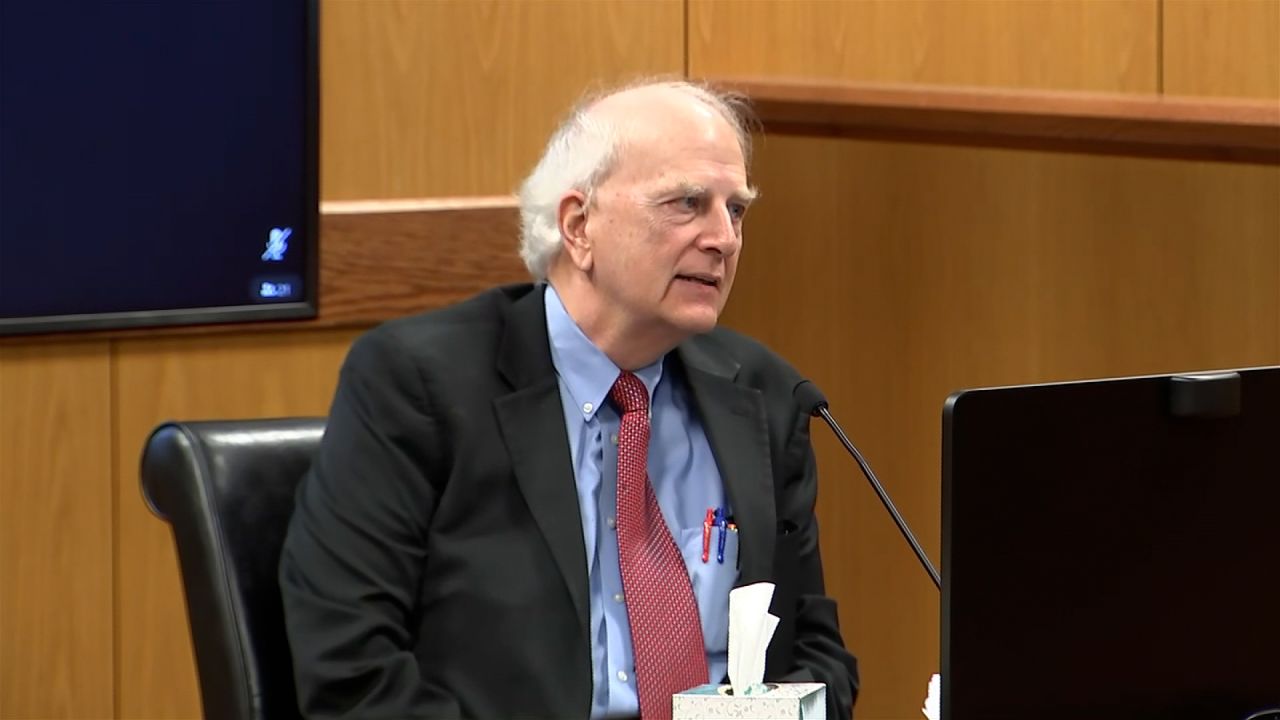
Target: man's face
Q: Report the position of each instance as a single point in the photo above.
(665, 227)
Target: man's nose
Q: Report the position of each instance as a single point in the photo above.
(721, 233)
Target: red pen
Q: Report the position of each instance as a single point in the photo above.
(706, 534)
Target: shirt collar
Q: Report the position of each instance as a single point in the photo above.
(586, 371)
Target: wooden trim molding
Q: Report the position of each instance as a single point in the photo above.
(1150, 126)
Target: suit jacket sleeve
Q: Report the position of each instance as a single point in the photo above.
(818, 651)
(351, 563)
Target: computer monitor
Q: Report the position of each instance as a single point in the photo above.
(1111, 549)
(157, 163)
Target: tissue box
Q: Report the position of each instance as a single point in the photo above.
(783, 701)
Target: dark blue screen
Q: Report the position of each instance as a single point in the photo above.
(150, 151)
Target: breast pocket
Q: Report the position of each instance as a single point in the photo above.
(712, 582)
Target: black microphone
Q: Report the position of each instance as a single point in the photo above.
(809, 397)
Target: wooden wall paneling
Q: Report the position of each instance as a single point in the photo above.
(894, 274)
(189, 379)
(1222, 47)
(813, 284)
(1154, 266)
(55, 532)
(454, 97)
(1066, 44)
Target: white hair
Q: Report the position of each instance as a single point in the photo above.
(582, 153)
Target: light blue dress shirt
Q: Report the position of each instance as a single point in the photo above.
(686, 480)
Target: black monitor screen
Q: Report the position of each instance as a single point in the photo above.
(157, 162)
(1110, 549)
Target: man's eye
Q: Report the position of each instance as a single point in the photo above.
(688, 202)
(737, 210)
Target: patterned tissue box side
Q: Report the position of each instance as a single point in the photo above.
(783, 701)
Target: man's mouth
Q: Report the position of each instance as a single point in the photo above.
(708, 280)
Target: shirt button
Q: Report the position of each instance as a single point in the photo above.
(617, 597)
(614, 438)
(622, 675)
(586, 407)
(613, 522)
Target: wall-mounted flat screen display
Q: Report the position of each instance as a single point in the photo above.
(157, 163)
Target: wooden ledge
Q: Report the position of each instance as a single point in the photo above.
(1139, 125)
(384, 259)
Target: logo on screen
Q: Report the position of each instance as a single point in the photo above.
(277, 244)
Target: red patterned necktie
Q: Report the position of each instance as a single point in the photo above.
(666, 633)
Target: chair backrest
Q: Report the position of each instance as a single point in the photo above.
(226, 488)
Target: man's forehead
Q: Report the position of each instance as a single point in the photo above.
(652, 114)
(683, 152)
(656, 174)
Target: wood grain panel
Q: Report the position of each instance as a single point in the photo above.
(55, 532)
(894, 274)
(1222, 47)
(188, 379)
(1062, 44)
(457, 97)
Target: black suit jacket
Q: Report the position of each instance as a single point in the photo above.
(435, 564)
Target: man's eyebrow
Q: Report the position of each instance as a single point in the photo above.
(685, 187)
(692, 189)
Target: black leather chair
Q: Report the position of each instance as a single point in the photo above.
(226, 488)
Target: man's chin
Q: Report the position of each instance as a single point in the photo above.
(698, 323)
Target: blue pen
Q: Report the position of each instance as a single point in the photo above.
(724, 530)
(715, 517)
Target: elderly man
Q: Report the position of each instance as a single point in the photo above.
(508, 514)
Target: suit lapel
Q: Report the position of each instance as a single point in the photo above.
(734, 419)
(531, 419)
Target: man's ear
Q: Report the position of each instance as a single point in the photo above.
(572, 216)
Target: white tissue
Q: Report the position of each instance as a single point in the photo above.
(933, 701)
(751, 628)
